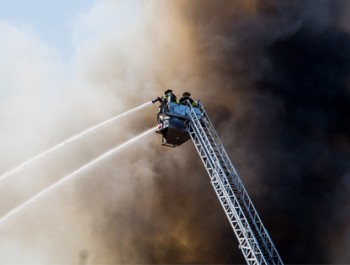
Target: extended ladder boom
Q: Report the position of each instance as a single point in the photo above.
(254, 240)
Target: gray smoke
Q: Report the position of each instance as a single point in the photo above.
(273, 76)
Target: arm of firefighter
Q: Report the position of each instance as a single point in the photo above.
(157, 99)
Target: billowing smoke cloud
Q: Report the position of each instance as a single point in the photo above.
(122, 60)
(273, 76)
(279, 71)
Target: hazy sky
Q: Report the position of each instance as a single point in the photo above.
(52, 21)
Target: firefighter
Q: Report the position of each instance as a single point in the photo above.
(169, 94)
(185, 98)
(164, 106)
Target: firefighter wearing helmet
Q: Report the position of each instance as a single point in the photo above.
(169, 96)
(186, 98)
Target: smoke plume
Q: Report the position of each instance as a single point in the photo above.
(279, 71)
(273, 76)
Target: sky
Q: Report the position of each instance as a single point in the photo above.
(52, 21)
(273, 76)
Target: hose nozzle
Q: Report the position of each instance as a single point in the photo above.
(157, 99)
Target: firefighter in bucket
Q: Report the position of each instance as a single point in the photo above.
(173, 118)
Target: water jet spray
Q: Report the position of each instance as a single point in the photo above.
(69, 140)
(75, 173)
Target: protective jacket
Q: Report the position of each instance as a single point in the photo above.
(184, 100)
(172, 96)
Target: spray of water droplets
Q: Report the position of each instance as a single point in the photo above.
(69, 140)
(75, 173)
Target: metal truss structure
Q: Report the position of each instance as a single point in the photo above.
(254, 240)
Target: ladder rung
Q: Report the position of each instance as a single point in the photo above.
(231, 192)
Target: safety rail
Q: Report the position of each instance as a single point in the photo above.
(254, 240)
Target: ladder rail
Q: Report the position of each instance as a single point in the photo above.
(264, 235)
(228, 205)
(213, 165)
(248, 243)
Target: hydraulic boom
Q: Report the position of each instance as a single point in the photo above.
(178, 123)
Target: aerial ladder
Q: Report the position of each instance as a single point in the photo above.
(179, 123)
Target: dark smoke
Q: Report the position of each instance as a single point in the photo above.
(287, 63)
(274, 77)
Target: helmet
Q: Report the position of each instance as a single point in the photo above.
(168, 91)
(186, 94)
